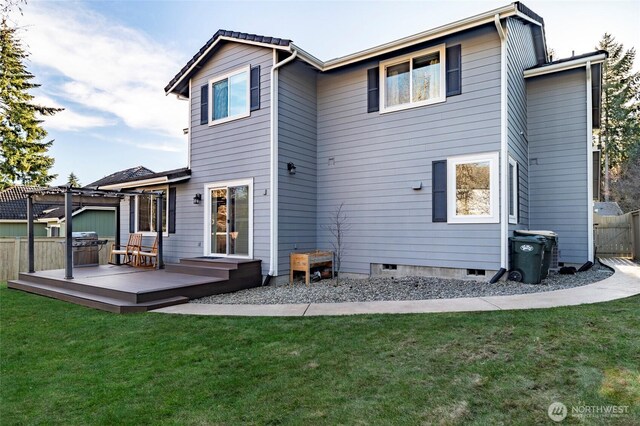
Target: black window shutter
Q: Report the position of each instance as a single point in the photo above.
(172, 210)
(454, 70)
(132, 214)
(439, 191)
(204, 104)
(373, 90)
(255, 88)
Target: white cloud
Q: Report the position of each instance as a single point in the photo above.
(68, 119)
(108, 67)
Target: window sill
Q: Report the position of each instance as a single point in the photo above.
(413, 105)
(228, 119)
(151, 234)
(472, 219)
(513, 220)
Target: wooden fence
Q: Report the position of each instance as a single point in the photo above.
(49, 254)
(613, 235)
(635, 227)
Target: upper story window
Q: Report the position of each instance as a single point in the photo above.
(413, 80)
(230, 96)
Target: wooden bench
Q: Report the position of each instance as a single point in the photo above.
(303, 262)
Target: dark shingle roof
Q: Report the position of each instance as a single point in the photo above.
(13, 203)
(122, 176)
(224, 33)
(571, 58)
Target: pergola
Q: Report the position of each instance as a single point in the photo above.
(69, 197)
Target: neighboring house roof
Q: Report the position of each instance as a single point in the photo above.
(179, 83)
(122, 176)
(13, 203)
(607, 208)
(121, 180)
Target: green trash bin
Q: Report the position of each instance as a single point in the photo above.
(527, 255)
(552, 241)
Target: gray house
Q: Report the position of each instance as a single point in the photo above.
(440, 145)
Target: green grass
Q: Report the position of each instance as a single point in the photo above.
(66, 364)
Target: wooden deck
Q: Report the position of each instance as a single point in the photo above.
(124, 289)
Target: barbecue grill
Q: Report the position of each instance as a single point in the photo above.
(86, 248)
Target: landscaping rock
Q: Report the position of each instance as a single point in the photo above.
(399, 288)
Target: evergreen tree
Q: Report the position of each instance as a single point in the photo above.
(619, 128)
(73, 180)
(23, 153)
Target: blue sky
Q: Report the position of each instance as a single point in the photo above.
(107, 62)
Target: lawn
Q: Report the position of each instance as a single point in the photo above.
(66, 364)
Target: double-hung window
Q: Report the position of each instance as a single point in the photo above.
(146, 209)
(229, 94)
(413, 80)
(472, 188)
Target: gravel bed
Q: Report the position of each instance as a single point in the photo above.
(400, 288)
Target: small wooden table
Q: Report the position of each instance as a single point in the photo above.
(303, 262)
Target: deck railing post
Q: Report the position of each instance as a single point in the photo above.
(68, 216)
(117, 236)
(30, 236)
(159, 230)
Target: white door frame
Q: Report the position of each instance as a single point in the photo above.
(207, 215)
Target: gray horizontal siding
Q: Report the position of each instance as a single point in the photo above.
(379, 157)
(234, 150)
(520, 56)
(557, 121)
(297, 103)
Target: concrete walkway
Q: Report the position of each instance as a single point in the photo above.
(624, 283)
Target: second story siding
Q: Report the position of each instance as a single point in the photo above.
(370, 161)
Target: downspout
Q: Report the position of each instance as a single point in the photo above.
(589, 165)
(504, 219)
(273, 233)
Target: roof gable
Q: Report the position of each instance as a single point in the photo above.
(177, 83)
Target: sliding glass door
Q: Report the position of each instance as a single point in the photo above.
(229, 217)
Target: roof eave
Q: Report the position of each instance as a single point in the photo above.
(567, 65)
(187, 74)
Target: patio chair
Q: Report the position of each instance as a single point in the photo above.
(128, 250)
(147, 256)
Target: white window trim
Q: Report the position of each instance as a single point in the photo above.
(166, 210)
(245, 69)
(207, 211)
(395, 61)
(494, 181)
(513, 188)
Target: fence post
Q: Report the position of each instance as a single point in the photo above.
(16, 259)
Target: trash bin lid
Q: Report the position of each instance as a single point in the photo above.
(543, 233)
(537, 239)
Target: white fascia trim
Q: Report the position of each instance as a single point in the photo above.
(15, 220)
(214, 44)
(563, 66)
(589, 164)
(144, 182)
(454, 27)
(504, 164)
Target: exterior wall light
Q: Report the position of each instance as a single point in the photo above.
(291, 168)
(197, 198)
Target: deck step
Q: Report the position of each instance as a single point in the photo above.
(81, 287)
(93, 300)
(205, 271)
